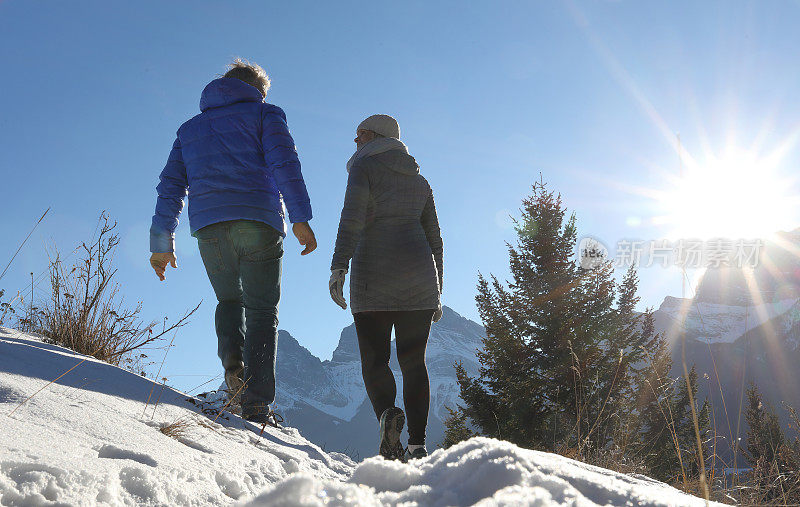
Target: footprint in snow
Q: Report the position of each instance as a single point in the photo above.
(113, 452)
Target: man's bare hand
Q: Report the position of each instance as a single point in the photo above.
(159, 263)
(305, 236)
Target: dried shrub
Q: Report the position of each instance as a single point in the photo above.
(86, 312)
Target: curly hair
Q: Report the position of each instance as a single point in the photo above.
(250, 73)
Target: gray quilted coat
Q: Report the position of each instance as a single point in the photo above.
(390, 229)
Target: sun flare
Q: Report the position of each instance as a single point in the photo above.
(736, 195)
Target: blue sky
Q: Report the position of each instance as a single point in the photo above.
(488, 96)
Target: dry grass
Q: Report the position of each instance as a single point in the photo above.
(774, 483)
(207, 424)
(86, 312)
(179, 428)
(625, 453)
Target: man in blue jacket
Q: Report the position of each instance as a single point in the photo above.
(238, 163)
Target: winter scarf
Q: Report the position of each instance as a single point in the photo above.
(378, 145)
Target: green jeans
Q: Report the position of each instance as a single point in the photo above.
(243, 262)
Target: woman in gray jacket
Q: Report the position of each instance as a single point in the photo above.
(390, 230)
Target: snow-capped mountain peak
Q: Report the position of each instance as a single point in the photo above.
(311, 390)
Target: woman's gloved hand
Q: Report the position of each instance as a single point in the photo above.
(336, 286)
(438, 313)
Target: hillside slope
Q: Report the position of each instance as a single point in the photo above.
(91, 438)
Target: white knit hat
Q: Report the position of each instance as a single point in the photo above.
(382, 124)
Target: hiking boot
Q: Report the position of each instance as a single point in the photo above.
(265, 417)
(391, 426)
(417, 453)
(255, 412)
(272, 418)
(234, 379)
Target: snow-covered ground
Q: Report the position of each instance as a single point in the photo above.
(91, 437)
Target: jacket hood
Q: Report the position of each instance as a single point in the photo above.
(228, 90)
(398, 161)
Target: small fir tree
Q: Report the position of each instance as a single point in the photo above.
(657, 442)
(685, 427)
(456, 428)
(561, 340)
(764, 434)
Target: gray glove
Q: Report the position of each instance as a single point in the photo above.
(438, 313)
(336, 286)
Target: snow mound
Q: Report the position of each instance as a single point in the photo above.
(480, 471)
(92, 437)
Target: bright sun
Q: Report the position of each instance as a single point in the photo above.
(736, 195)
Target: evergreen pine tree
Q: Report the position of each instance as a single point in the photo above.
(456, 428)
(685, 428)
(656, 393)
(634, 332)
(775, 460)
(556, 358)
(764, 434)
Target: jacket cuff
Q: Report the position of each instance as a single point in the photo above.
(338, 264)
(301, 213)
(161, 241)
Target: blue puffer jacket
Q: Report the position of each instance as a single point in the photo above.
(236, 159)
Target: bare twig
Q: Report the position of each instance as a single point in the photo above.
(231, 399)
(45, 386)
(23, 243)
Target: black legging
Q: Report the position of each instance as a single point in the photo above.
(411, 328)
